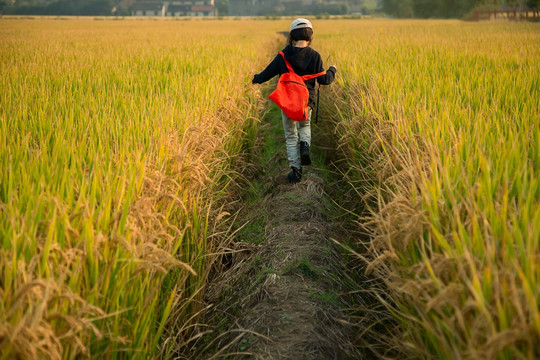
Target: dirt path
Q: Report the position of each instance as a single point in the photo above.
(283, 291)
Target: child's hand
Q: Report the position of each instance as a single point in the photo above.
(334, 66)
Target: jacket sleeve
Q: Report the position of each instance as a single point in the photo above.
(327, 78)
(271, 70)
(330, 75)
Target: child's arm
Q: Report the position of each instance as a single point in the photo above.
(271, 70)
(330, 75)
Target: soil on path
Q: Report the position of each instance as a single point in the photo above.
(283, 291)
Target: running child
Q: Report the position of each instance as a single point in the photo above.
(304, 61)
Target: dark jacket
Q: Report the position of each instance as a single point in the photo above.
(304, 61)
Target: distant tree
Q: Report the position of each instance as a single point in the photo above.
(426, 8)
(455, 8)
(398, 8)
(222, 7)
(429, 8)
(330, 9)
(96, 7)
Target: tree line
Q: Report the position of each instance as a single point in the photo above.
(395, 8)
(446, 8)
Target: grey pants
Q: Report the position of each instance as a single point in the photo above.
(292, 130)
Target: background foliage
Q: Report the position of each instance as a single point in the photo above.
(445, 8)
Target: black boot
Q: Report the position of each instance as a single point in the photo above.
(304, 153)
(295, 175)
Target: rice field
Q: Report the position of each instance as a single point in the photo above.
(118, 139)
(120, 142)
(441, 126)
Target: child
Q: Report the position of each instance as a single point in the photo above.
(304, 61)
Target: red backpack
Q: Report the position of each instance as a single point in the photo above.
(291, 93)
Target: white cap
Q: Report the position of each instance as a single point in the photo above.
(300, 23)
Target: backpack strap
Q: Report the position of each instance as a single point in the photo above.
(304, 77)
(289, 67)
(312, 76)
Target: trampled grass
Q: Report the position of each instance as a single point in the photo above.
(440, 121)
(117, 140)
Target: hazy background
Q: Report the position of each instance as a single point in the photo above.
(388, 8)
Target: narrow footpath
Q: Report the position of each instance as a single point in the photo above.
(283, 292)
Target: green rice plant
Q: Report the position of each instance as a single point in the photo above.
(439, 122)
(118, 140)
